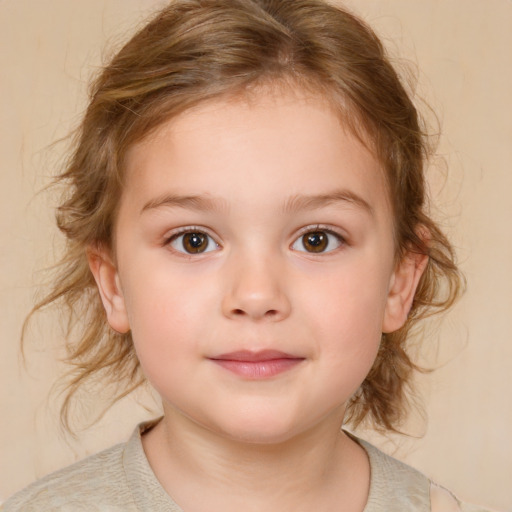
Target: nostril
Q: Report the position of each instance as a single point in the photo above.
(270, 313)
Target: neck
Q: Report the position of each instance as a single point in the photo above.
(199, 468)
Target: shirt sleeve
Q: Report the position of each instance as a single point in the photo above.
(442, 500)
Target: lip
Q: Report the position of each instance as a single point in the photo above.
(257, 365)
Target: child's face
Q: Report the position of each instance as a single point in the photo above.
(255, 265)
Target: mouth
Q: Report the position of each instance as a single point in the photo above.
(257, 365)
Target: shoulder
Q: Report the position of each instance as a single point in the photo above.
(443, 500)
(395, 485)
(88, 484)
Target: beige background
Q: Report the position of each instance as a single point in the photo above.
(49, 49)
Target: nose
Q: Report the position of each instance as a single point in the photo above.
(256, 290)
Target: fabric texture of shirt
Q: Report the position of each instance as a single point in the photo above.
(121, 479)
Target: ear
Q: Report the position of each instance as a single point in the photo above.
(107, 279)
(402, 289)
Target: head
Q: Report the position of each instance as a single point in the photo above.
(197, 52)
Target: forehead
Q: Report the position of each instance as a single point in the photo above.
(279, 139)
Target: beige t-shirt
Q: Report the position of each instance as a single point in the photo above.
(120, 479)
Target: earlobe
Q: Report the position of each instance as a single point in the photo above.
(403, 285)
(107, 279)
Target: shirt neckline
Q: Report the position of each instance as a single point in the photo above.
(149, 495)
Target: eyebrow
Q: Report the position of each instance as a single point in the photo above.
(295, 203)
(312, 202)
(202, 203)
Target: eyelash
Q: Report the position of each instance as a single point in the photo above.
(340, 239)
(190, 230)
(300, 239)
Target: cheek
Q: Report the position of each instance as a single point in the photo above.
(345, 314)
(166, 315)
(165, 339)
(160, 295)
(350, 303)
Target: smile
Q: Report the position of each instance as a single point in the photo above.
(257, 365)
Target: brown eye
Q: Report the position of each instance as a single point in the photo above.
(315, 241)
(318, 241)
(193, 242)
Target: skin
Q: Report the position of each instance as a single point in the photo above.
(255, 176)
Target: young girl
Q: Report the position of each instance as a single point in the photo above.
(247, 230)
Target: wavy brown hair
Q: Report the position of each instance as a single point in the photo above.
(196, 50)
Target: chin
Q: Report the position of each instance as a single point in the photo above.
(259, 430)
(260, 437)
